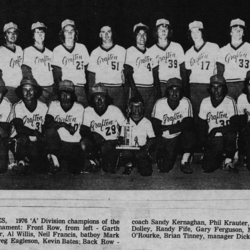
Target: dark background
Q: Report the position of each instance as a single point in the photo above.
(89, 14)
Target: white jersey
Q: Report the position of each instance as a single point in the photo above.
(142, 130)
(107, 65)
(218, 116)
(235, 60)
(72, 62)
(10, 64)
(202, 62)
(40, 64)
(74, 117)
(141, 62)
(5, 110)
(106, 125)
(243, 105)
(168, 60)
(33, 120)
(164, 113)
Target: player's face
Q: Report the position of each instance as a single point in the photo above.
(65, 98)
(100, 101)
(11, 36)
(216, 91)
(28, 92)
(237, 32)
(136, 110)
(196, 34)
(69, 33)
(174, 93)
(106, 34)
(141, 38)
(162, 31)
(39, 36)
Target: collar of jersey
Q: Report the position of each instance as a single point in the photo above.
(198, 50)
(108, 48)
(136, 122)
(235, 48)
(142, 51)
(69, 50)
(164, 49)
(12, 50)
(41, 51)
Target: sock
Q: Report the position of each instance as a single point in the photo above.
(185, 158)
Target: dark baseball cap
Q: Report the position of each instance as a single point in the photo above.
(174, 82)
(217, 79)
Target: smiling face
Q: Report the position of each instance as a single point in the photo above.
(141, 38)
(11, 36)
(174, 94)
(28, 93)
(69, 34)
(196, 34)
(100, 101)
(217, 91)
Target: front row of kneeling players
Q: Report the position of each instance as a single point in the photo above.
(86, 140)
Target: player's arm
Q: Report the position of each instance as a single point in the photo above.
(85, 132)
(186, 123)
(57, 75)
(157, 82)
(220, 68)
(184, 77)
(5, 129)
(26, 71)
(202, 130)
(157, 126)
(91, 78)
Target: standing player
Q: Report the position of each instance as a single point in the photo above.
(28, 119)
(172, 120)
(200, 61)
(70, 60)
(218, 126)
(11, 60)
(138, 69)
(37, 62)
(168, 58)
(234, 59)
(63, 122)
(5, 127)
(106, 66)
(102, 123)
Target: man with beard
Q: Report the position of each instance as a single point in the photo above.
(11, 60)
(102, 122)
(62, 130)
(29, 113)
(142, 135)
(5, 127)
(172, 120)
(37, 62)
(138, 69)
(70, 60)
(218, 126)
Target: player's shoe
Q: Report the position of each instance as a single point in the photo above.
(231, 168)
(128, 169)
(186, 168)
(20, 168)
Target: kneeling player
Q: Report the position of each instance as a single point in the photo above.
(63, 123)
(28, 118)
(172, 120)
(142, 136)
(218, 125)
(102, 122)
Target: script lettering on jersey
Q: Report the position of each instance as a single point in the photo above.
(165, 58)
(71, 60)
(33, 119)
(44, 60)
(101, 125)
(218, 116)
(198, 59)
(16, 62)
(176, 117)
(67, 119)
(229, 57)
(106, 59)
(140, 61)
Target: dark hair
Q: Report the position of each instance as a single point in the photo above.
(113, 33)
(170, 32)
(108, 100)
(33, 32)
(62, 37)
(38, 91)
(138, 29)
(203, 35)
(245, 33)
(245, 88)
(181, 92)
(73, 95)
(5, 33)
(225, 90)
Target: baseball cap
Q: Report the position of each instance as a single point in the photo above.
(2, 86)
(10, 26)
(162, 21)
(27, 80)
(67, 22)
(66, 85)
(174, 82)
(195, 24)
(98, 88)
(140, 25)
(218, 79)
(38, 25)
(237, 22)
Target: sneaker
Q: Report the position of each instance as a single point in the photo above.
(20, 168)
(186, 168)
(231, 168)
(128, 169)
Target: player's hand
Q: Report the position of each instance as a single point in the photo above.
(39, 136)
(213, 133)
(3, 133)
(165, 127)
(70, 129)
